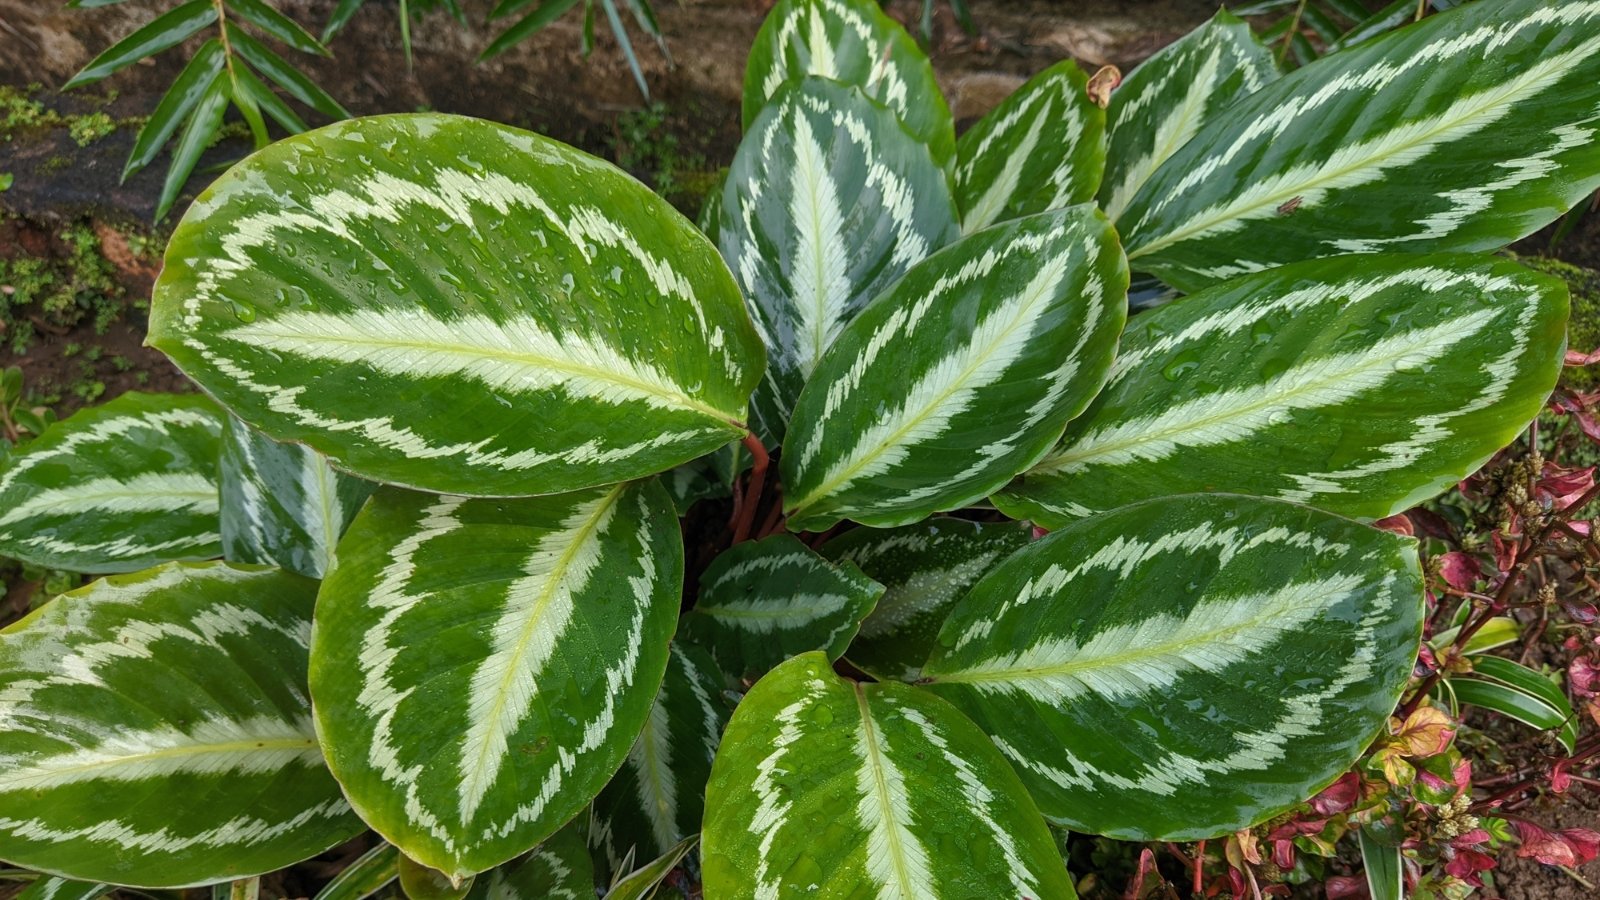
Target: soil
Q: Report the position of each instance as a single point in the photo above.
(64, 184)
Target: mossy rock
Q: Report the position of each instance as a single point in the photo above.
(1583, 329)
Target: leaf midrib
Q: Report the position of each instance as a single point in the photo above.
(260, 745)
(886, 809)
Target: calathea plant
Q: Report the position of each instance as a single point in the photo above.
(538, 362)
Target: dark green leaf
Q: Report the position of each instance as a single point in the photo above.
(167, 30)
(262, 15)
(198, 133)
(282, 74)
(548, 11)
(176, 105)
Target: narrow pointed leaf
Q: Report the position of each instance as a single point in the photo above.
(658, 796)
(960, 376)
(762, 602)
(198, 133)
(282, 504)
(116, 487)
(263, 16)
(482, 667)
(266, 101)
(157, 730)
(558, 869)
(281, 73)
(176, 105)
(1362, 385)
(867, 790)
(340, 17)
(49, 887)
(1043, 148)
(828, 202)
(925, 568)
(1518, 704)
(369, 874)
(626, 45)
(1187, 667)
(1465, 131)
(1384, 867)
(534, 343)
(548, 11)
(852, 41)
(167, 30)
(1541, 691)
(641, 883)
(1166, 100)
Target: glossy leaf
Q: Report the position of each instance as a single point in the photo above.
(263, 16)
(829, 787)
(1187, 667)
(165, 31)
(481, 667)
(641, 883)
(558, 869)
(176, 105)
(116, 487)
(561, 327)
(370, 873)
(854, 42)
(275, 69)
(1362, 385)
(1521, 693)
(157, 731)
(49, 887)
(960, 376)
(263, 98)
(828, 202)
(282, 504)
(656, 799)
(198, 134)
(762, 602)
(925, 568)
(1384, 867)
(1166, 100)
(1043, 148)
(1465, 131)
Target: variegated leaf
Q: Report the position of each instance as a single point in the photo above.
(1186, 667)
(481, 667)
(49, 887)
(764, 601)
(925, 568)
(1465, 131)
(830, 788)
(1165, 101)
(657, 797)
(531, 319)
(1362, 385)
(370, 873)
(116, 487)
(558, 869)
(960, 376)
(851, 41)
(1043, 148)
(641, 883)
(282, 504)
(155, 730)
(829, 201)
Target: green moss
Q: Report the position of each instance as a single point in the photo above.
(645, 145)
(61, 290)
(88, 129)
(18, 110)
(1583, 328)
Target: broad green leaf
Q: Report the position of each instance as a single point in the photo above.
(369, 874)
(1165, 101)
(292, 80)
(658, 796)
(157, 732)
(1521, 693)
(641, 883)
(282, 504)
(481, 667)
(764, 601)
(828, 202)
(960, 376)
(176, 105)
(167, 30)
(558, 869)
(198, 134)
(443, 302)
(925, 568)
(1465, 131)
(262, 15)
(832, 788)
(1385, 870)
(116, 487)
(1187, 667)
(423, 882)
(49, 887)
(1363, 385)
(852, 41)
(1043, 148)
